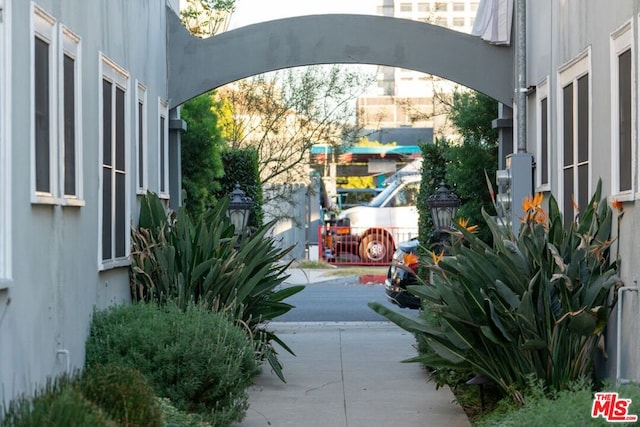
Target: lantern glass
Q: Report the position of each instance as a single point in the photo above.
(239, 210)
(443, 205)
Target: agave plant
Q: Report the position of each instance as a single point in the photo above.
(175, 258)
(533, 304)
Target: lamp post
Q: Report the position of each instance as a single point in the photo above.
(238, 211)
(443, 205)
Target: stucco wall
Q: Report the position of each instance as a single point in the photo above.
(56, 280)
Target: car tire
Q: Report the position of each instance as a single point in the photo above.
(376, 248)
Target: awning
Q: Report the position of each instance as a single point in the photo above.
(493, 21)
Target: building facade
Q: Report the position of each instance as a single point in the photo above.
(410, 98)
(84, 132)
(582, 126)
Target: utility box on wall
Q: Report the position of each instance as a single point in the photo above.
(515, 183)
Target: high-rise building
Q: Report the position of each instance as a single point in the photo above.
(411, 98)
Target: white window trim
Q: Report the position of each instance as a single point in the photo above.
(118, 75)
(142, 98)
(43, 25)
(163, 112)
(542, 92)
(621, 40)
(571, 72)
(71, 47)
(5, 149)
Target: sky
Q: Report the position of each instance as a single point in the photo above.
(253, 11)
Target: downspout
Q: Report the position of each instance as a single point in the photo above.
(521, 74)
(621, 292)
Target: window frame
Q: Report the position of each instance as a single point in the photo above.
(61, 42)
(6, 277)
(71, 46)
(542, 94)
(43, 26)
(142, 137)
(570, 73)
(163, 149)
(621, 40)
(119, 78)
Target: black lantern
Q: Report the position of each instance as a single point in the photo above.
(239, 210)
(443, 205)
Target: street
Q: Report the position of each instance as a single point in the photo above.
(339, 300)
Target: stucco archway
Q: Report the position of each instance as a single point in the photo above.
(198, 65)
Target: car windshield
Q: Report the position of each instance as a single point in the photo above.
(377, 201)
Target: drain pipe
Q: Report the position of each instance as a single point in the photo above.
(621, 293)
(67, 359)
(521, 74)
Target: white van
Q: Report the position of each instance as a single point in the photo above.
(372, 231)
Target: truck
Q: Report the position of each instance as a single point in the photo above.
(372, 232)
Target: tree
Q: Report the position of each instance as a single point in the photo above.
(205, 18)
(201, 161)
(471, 114)
(282, 114)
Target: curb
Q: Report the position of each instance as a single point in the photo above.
(377, 279)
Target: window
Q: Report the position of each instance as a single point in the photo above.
(542, 137)
(441, 21)
(441, 7)
(71, 109)
(458, 7)
(423, 7)
(622, 114)
(141, 138)
(575, 135)
(5, 157)
(406, 7)
(43, 86)
(458, 22)
(163, 147)
(114, 223)
(56, 147)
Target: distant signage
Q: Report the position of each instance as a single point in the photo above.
(381, 166)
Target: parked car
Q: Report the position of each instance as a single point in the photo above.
(372, 231)
(402, 273)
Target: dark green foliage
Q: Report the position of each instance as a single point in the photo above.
(433, 172)
(533, 304)
(197, 358)
(467, 164)
(59, 403)
(198, 262)
(123, 393)
(200, 154)
(241, 166)
(471, 114)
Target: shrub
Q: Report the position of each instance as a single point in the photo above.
(541, 410)
(179, 259)
(197, 358)
(534, 304)
(123, 393)
(57, 404)
(172, 415)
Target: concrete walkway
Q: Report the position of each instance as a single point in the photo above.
(349, 375)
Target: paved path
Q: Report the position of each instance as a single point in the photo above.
(349, 375)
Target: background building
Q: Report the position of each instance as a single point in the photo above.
(406, 97)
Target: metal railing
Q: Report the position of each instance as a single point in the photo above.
(344, 245)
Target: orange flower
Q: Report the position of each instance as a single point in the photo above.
(463, 223)
(410, 259)
(576, 207)
(437, 258)
(617, 204)
(533, 212)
